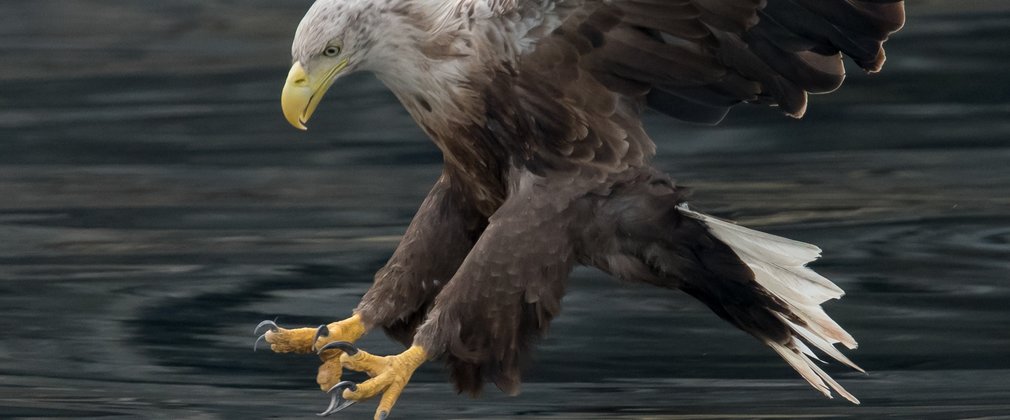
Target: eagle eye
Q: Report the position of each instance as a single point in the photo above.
(331, 51)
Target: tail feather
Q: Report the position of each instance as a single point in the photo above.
(779, 267)
(806, 367)
(821, 344)
(788, 285)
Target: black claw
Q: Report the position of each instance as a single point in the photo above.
(257, 342)
(383, 415)
(322, 331)
(337, 401)
(273, 326)
(342, 345)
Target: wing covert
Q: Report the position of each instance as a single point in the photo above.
(694, 59)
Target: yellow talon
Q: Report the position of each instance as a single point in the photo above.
(306, 340)
(283, 340)
(390, 375)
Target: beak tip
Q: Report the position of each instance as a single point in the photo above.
(298, 124)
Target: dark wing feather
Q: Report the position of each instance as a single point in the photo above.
(571, 105)
(694, 59)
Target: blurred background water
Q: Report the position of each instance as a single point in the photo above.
(154, 206)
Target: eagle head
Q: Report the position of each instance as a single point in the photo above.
(335, 38)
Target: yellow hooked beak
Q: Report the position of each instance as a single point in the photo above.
(303, 92)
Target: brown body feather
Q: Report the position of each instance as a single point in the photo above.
(547, 163)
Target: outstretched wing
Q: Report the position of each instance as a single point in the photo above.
(694, 59)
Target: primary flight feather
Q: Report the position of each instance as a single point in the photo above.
(536, 106)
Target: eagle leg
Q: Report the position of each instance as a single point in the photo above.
(308, 340)
(508, 289)
(441, 235)
(389, 375)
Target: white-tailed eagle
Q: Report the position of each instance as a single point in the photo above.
(536, 106)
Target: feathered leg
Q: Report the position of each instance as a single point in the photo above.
(507, 290)
(438, 239)
(502, 297)
(756, 281)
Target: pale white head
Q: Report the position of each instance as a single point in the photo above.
(338, 37)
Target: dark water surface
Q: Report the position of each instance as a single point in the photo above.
(154, 206)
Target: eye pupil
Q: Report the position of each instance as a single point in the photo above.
(331, 51)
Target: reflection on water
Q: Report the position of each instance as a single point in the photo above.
(151, 214)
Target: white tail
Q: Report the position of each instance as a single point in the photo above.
(779, 265)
